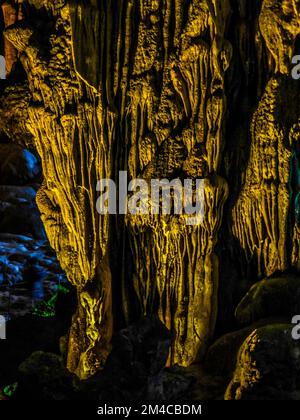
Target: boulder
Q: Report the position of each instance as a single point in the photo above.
(221, 356)
(268, 366)
(15, 194)
(138, 356)
(141, 349)
(29, 333)
(44, 377)
(19, 213)
(29, 272)
(167, 385)
(18, 166)
(278, 296)
(203, 385)
(138, 352)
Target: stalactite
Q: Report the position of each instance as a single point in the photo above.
(73, 135)
(179, 261)
(73, 124)
(10, 15)
(144, 86)
(261, 214)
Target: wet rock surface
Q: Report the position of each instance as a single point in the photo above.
(20, 175)
(29, 271)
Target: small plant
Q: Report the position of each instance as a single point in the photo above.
(8, 391)
(46, 308)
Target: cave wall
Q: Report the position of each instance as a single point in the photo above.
(162, 89)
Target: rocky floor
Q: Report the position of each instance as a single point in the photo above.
(29, 270)
(29, 274)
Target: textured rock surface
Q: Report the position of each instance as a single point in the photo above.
(19, 213)
(134, 369)
(43, 377)
(18, 166)
(77, 125)
(270, 297)
(29, 272)
(262, 212)
(29, 333)
(10, 16)
(162, 89)
(268, 366)
(222, 355)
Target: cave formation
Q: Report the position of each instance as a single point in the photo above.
(160, 89)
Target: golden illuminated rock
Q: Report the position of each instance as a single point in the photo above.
(147, 86)
(261, 214)
(267, 366)
(10, 16)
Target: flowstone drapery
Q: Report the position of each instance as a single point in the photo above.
(148, 86)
